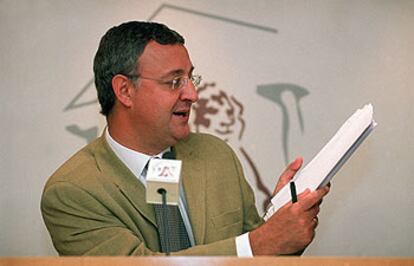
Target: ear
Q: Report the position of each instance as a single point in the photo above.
(122, 87)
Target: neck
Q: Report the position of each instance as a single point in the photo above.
(126, 135)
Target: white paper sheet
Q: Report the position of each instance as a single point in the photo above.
(320, 170)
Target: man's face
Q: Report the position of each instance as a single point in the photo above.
(161, 113)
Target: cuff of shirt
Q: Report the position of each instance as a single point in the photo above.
(243, 247)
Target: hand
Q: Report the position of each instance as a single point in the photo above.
(288, 174)
(291, 228)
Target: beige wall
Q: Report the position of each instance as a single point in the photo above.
(319, 60)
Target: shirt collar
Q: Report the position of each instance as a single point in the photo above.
(135, 161)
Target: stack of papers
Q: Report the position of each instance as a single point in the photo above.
(329, 160)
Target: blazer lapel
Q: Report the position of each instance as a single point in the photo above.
(193, 177)
(119, 174)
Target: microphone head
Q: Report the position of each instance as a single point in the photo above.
(169, 155)
(163, 178)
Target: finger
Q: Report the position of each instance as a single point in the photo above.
(292, 168)
(327, 187)
(319, 202)
(314, 211)
(302, 196)
(288, 174)
(307, 201)
(326, 191)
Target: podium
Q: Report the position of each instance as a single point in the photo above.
(206, 261)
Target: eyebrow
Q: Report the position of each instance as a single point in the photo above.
(177, 72)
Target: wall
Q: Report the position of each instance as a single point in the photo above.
(320, 61)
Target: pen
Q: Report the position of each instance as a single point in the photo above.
(293, 192)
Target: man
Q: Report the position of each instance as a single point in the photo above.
(94, 204)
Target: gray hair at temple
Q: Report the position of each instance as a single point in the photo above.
(119, 51)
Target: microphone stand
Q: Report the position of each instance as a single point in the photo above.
(163, 193)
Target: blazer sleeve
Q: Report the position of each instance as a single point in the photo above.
(251, 218)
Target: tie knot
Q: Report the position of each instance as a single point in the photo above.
(145, 170)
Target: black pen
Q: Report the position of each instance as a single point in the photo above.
(293, 192)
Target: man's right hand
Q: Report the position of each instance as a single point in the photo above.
(291, 228)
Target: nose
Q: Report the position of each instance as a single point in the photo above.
(189, 92)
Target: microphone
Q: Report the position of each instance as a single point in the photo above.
(163, 178)
(171, 156)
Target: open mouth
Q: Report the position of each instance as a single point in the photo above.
(182, 114)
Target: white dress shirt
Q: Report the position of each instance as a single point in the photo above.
(136, 162)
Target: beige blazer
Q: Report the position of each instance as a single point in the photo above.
(94, 205)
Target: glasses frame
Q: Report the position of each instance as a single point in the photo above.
(175, 84)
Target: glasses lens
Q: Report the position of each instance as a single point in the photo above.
(180, 82)
(196, 80)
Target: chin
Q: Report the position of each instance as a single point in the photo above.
(181, 134)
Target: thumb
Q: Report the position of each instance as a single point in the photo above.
(288, 174)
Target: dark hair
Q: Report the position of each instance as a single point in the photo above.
(119, 51)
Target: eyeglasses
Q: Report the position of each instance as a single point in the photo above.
(174, 84)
